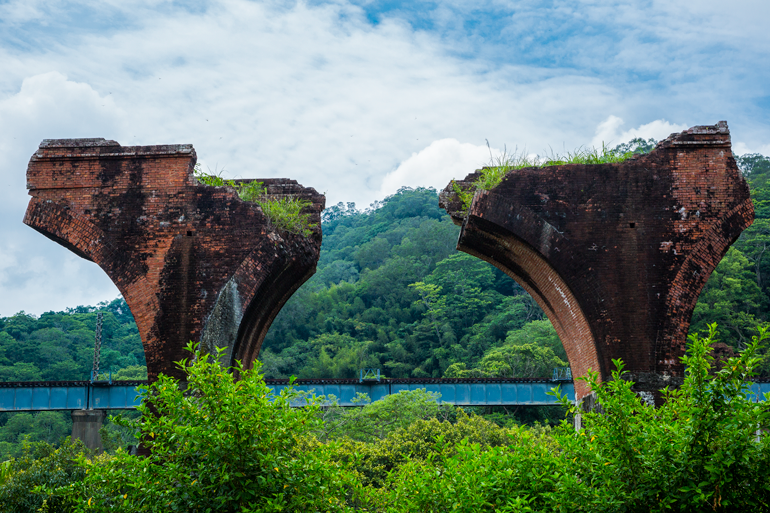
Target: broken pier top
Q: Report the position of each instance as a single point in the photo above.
(194, 262)
(615, 254)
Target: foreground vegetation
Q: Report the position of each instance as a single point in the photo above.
(229, 446)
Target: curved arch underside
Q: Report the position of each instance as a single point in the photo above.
(530, 270)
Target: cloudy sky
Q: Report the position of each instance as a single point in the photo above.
(355, 98)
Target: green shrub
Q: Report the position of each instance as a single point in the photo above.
(26, 482)
(699, 451)
(421, 440)
(221, 445)
(286, 214)
(226, 445)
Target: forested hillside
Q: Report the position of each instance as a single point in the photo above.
(59, 346)
(391, 292)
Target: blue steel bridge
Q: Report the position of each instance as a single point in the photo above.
(119, 395)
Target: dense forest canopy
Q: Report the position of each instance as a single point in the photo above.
(390, 292)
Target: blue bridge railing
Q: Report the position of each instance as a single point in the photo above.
(85, 395)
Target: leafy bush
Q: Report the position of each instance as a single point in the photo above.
(286, 214)
(373, 461)
(223, 445)
(46, 426)
(26, 482)
(699, 451)
(220, 445)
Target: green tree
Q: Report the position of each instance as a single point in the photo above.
(699, 451)
(530, 352)
(20, 371)
(220, 445)
(376, 420)
(730, 298)
(540, 332)
(511, 361)
(132, 372)
(27, 482)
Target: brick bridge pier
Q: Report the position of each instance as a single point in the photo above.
(193, 262)
(615, 254)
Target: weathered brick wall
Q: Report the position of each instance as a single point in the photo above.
(616, 254)
(193, 262)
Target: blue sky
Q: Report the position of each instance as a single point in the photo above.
(355, 98)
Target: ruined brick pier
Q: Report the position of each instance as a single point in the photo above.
(615, 254)
(193, 262)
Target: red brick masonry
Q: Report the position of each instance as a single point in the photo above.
(615, 254)
(193, 262)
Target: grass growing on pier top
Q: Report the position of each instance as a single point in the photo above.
(283, 213)
(499, 166)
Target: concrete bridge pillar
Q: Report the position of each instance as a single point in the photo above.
(85, 427)
(616, 255)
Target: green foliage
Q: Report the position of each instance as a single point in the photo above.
(730, 298)
(636, 145)
(532, 351)
(227, 445)
(26, 482)
(58, 346)
(220, 444)
(699, 451)
(286, 214)
(118, 432)
(19, 428)
(370, 304)
(511, 361)
(131, 373)
(373, 461)
(376, 420)
(253, 191)
(283, 213)
(540, 332)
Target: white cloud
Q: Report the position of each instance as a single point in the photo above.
(741, 148)
(36, 274)
(609, 131)
(436, 165)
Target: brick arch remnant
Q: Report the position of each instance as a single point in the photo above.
(615, 254)
(193, 262)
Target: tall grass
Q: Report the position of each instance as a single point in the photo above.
(282, 213)
(500, 165)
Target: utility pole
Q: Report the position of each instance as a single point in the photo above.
(97, 348)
